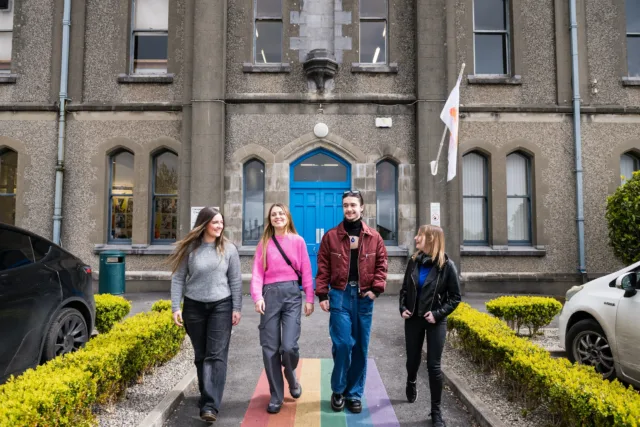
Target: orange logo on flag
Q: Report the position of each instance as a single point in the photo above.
(453, 112)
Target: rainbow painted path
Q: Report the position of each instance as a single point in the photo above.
(313, 409)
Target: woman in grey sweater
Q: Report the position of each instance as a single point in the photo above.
(206, 272)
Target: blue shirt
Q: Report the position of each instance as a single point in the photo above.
(424, 272)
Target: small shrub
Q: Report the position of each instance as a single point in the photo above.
(623, 219)
(161, 305)
(532, 312)
(110, 309)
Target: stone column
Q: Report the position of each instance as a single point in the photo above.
(208, 109)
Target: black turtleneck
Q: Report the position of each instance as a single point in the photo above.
(353, 228)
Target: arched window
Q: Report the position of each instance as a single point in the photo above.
(629, 163)
(121, 178)
(519, 199)
(387, 201)
(8, 180)
(475, 204)
(253, 200)
(165, 198)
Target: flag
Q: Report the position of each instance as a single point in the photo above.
(450, 115)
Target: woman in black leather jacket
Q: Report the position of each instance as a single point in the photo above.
(430, 292)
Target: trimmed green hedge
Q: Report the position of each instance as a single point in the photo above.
(110, 309)
(161, 305)
(575, 393)
(532, 312)
(63, 391)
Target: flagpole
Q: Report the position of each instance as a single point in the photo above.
(434, 164)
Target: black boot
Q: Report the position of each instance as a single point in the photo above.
(412, 391)
(436, 418)
(337, 402)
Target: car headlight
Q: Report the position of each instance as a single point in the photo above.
(571, 292)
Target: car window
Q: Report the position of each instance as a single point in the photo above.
(40, 247)
(15, 250)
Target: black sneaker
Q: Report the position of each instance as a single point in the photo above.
(354, 406)
(296, 392)
(412, 391)
(208, 416)
(274, 408)
(436, 419)
(337, 402)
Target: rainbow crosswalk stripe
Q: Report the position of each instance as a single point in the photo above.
(313, 409)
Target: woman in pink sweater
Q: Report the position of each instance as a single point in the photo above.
(277, 274)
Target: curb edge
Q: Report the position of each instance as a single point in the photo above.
(161, 412)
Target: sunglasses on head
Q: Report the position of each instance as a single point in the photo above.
(354, 192)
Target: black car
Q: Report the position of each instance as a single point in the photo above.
(46, 301)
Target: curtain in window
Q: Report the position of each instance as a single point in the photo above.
(628, 165)
(518, 210)
(474, 186)
(253, 215)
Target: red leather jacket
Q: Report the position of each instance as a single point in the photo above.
(335, 255)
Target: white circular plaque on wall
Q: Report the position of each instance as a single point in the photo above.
(321, 130)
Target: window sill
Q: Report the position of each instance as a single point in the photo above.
(148, 78)
(392, 251)
(135, 249)
(494, 79)
(374, 68)
(522, 251)
(630, 81)
(248, 67)
(8, 78)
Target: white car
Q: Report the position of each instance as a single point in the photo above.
(600, 325)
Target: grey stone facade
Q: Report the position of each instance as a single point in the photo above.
(216, 109)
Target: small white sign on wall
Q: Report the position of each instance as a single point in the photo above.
(384, 122)
(195, 210)
(435, 214)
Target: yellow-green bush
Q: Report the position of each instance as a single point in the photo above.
(532, 312)
(575, 393)
(161, 305)
(110, 309)
(62, 392)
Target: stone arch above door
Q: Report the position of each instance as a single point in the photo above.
(310, 142)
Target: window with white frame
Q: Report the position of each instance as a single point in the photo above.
(253, 198)
(149, 36)
(629, 163)
(519, 198)
(387, 201)
(491, 38)
(8, 184)
(165, 198)
(632, 12)
(373, 31)
(475, 204)
(268, 32)
(6, 35)
(121, 179)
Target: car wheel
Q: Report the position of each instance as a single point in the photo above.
(588, 345)
(67, 333)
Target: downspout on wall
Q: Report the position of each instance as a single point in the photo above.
(577, 137)
(64, 77)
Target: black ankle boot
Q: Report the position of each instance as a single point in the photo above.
(412, 391)
(436, 419)
(337, 402)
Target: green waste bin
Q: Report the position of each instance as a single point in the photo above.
(111, 277)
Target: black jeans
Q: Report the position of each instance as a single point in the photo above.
(415, 330)
(208, 325)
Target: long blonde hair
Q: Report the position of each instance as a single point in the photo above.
(434, 242)
(193, 240)
(270, 230)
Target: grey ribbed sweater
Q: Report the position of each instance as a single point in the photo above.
(204, 276)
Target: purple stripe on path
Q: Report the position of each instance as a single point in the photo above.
(380, 408)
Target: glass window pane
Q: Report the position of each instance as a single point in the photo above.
(628, 165)
(517, 179)
(152, 14)
(320, 168)
(121, 217)
(268, 42)
(518, 219)
(373, 9)
(473, 175)
(386, 200)
(268, 8)
(15, 250)
(474, 219)
(633, 56)
(166, 174)
(122, 178)
(373, 35)
(632, 11)
(122, 173)
(489, 15)
(253, 216)
(6, 40)
(8, 172)
(150, 53)
(490, 54)
(165, 218)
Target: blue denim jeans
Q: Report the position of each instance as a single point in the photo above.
(350, 329)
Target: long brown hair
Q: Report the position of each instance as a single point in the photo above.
(193, 240)
(270, 230)
(434, 241)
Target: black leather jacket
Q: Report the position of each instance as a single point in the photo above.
(440, 293)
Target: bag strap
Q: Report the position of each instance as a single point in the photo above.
(286, 259)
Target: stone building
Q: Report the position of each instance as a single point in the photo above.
(177, 104)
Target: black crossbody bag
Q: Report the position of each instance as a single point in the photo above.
(286, 259)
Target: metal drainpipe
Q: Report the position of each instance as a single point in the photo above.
(64, 77)
(577, 136)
